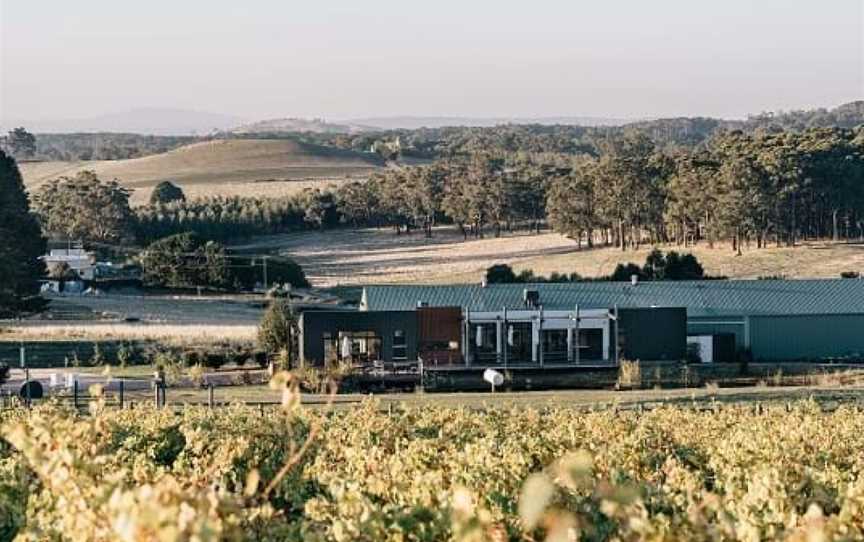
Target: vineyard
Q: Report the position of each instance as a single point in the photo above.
(737, 472)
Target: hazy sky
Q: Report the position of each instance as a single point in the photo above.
(343, 59)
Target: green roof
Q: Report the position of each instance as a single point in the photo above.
(700, 298)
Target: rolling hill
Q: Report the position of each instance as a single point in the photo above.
(297, 125)
(218, 166)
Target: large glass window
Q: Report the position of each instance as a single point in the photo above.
(483, 342)
(554, 345)
(518, 341)
(352, 346)
(591, 344)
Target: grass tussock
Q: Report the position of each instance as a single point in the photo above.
(629, 374)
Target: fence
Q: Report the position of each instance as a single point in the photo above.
(119, 398)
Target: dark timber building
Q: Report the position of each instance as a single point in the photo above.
(773, 320)
(495, 325)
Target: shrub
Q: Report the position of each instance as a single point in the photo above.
(213, 360)
(166, 192)
(629, 374)
(278, 329)
(260, 358)
(500, 274)
(97, 359)
(191, 358)
(185, 260)
(196, 375)
(623, 272)
(124, 354)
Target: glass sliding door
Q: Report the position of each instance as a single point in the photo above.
(554, 345)
(518, 341)
(483, 342)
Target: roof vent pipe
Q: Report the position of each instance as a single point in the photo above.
(483, 282)
(634, 280)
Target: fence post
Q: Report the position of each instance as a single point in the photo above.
(156, 394)
(75, 393)
(27, 383)
(121, 393)
(210, 401)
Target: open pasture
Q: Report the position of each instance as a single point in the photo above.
(378, 256)
(241, 167)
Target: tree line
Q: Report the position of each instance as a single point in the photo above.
(447, 142)
(744, 188)
(658, 265)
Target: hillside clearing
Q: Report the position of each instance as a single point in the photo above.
(370, 256)
(248, 167)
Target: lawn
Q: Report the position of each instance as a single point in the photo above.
(534, 399)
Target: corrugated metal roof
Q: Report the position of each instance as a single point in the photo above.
(700, 298)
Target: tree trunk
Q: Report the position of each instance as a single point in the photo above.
(836, 235)
(621, 235)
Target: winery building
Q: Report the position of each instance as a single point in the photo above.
(772, 320)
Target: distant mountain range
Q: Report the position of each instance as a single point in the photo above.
(181, 122)
(149, 121)
(413, 123)
(318, 126)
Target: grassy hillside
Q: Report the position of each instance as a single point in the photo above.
(378, 256)
(219, 166)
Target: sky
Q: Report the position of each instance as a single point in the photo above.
(338, 59)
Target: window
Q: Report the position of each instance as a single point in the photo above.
(518, 338)
(352, 346)
(400, 346)
(554, 345)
